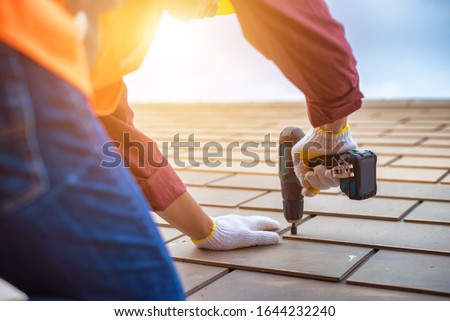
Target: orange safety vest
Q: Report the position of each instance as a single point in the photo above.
(46, 33)
(225, 7)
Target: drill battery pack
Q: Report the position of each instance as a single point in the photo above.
(356, 170)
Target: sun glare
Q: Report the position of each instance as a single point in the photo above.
(206, 60)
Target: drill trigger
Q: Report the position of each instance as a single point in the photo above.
(344, 170)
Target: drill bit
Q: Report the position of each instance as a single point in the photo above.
(294, 229)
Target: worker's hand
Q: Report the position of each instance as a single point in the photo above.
(192, 9)
(317, 143)
(234, 231)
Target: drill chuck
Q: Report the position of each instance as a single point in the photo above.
(291, 189)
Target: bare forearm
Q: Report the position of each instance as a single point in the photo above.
(187, 216)
(91, 7)
(91, 11)
(191, 9)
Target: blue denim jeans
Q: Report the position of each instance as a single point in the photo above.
(69, 228)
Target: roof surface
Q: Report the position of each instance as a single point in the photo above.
(395, 246)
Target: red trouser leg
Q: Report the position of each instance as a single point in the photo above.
(159, 182)
(310, 48)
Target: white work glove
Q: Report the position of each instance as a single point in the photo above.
(234, 231)
(316, 143)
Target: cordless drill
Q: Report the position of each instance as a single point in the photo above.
(355, 169)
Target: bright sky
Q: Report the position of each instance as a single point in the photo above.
(402, 48)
